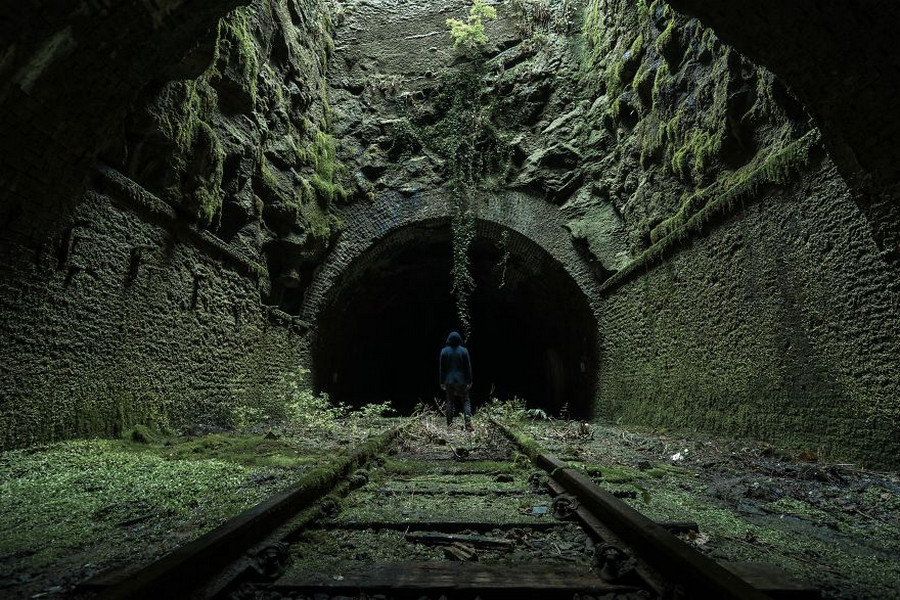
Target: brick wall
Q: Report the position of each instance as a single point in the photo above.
(780, 325)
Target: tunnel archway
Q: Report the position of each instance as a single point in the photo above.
(382, 326)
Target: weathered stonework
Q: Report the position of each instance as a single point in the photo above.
(366, 225)
(244, 168)
(152, 297)
(128, 322)
(780, 324)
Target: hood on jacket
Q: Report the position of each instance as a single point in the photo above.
(454, 339)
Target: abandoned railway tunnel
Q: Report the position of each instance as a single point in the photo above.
(664, 218)
(658, 229)
(381, 330)
(200, 206)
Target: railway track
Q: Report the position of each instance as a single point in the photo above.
(417, 512)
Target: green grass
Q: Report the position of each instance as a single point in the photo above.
(77, 497)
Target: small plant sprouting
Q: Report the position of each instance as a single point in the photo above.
(469, 35)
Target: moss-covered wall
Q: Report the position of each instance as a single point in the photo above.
(133, 325)
(741, 290)
(675, 116)
(753, 300)
(778, 324)
(245, 150)
(167, 294)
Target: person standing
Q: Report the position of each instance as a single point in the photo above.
(456, 377)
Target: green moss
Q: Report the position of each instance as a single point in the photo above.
(650, 132)
(186, 107)
(270, 179)
(618, 474)
(304, 193)
(697, 153)
(208, 196)
(209, 203)
(780, 167)
(324, 180)
(142, 435)
(642, 85)
(528, 445)
(614, 76)
(236, 45)
(643, 12)
(107, 501)
(666, 44)
(592, 30)
(807, 550)
(319, 222)
(679, 162)
(708, 40)
(246, 450)
(637, 47)
(419, 468)
(73, 498)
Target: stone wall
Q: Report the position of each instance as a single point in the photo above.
(128, 322)
(739, 285)
(539, 225)
(777, 324)
(812, 45)
(155, 296)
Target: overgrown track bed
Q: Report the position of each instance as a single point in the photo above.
(433, 513)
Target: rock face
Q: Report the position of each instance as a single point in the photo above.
(650, 135)
(161, 297)
(734, 283)
(245, 149)
(842, 62)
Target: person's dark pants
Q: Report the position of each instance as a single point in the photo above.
(454, 392)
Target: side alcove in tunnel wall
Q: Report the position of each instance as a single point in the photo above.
(383, 324)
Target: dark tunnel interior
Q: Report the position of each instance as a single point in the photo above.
(533, 332)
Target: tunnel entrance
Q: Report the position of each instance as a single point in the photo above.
(383, 326)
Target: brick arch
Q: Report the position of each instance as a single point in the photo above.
(537, 231)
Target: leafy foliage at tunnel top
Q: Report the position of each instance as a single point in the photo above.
(469, 35)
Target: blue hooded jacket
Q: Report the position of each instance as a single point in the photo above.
(456, 368)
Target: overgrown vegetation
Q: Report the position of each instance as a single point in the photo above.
(295, 410)
(235, 45)
(469, 35)
(72, 509)
(701, 120)
(831, 525)
(717, 200)
(197, 149)
(189, 114)
(327, 168)
(457, 138)
(778, 168)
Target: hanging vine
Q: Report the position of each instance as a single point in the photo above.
(462, 137)
(504, 259)
(466, 138)
(463, 231)
(465, 168)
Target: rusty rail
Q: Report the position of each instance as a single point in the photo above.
(680, 563)
(191, 564)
